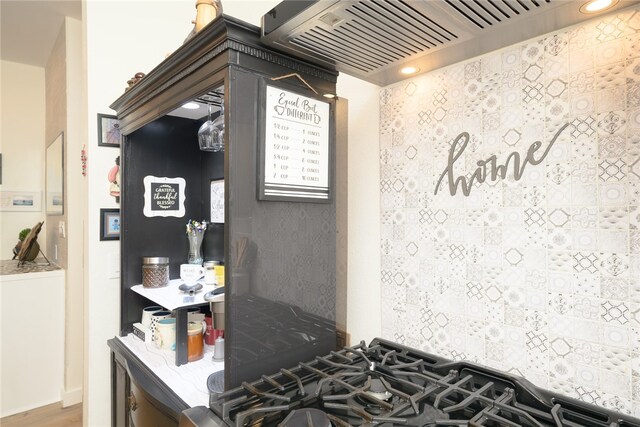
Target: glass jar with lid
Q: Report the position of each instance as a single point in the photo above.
(210, 277)
(155, 272)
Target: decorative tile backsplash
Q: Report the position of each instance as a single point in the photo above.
(538, 276)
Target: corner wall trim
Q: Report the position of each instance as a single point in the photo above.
(71, 397)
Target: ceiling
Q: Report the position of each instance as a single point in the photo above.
(28, 28)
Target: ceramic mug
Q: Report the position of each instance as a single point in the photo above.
(155, 318)
(191, 273)
(146, 314)
(166, 333)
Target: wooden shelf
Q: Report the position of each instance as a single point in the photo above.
(171, 298)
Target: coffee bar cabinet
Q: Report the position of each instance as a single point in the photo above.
(263, 182)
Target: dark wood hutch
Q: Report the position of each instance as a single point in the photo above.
(280, 296)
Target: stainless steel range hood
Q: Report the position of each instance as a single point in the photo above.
(374, 39)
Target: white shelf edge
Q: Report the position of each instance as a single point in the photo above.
(171, 298)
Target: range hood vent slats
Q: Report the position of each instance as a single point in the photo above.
(396, 21)
(510, 6)
(419, 16)
(319, 44)
(348, 34)
(383, 24)
(336, 58)
(379, 38)
(344, 35)
(499, 8)
(426, 30)
(335, 42)
(470, 12)
(487, 11)
(375, 39)
(356, 27)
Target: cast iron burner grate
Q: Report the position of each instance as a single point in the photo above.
(386, 384)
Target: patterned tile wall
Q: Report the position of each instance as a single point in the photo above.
(538, 276)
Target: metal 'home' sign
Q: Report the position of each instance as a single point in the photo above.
(489, 169)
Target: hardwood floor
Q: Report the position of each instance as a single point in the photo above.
(53, 415)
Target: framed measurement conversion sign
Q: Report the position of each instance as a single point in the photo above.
(295, 146)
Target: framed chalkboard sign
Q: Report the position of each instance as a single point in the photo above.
(163, 196)
(295, 146)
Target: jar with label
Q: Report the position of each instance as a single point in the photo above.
(219, 268)
(210, 277)
(155, 272)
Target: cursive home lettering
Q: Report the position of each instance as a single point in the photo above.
(489, 168)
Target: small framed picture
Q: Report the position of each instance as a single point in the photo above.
(217, 201)
(108, 131)
(109, 224)
(20, 201)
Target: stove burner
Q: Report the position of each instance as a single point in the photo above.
(389, 385)
(378, 390)
(306, 418)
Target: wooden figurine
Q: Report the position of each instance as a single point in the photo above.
(206, 11)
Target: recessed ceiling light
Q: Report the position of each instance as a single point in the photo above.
(329, 95)
(191, 106)
(594, 6)
(409, 70)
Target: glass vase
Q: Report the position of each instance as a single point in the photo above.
(195, 247)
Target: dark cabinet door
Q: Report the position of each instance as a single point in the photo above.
(120, 394)
(144, 411)
(139, 398)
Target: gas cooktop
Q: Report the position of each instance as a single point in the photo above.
(387, 384)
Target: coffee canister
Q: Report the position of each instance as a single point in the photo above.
(155, 272)
(195, 347)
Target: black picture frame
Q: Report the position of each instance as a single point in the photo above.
(108, 131)
(293, 193)
(110, 224)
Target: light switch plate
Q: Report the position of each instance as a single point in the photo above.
(114, 265)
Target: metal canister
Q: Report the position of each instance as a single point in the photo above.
(155, 272)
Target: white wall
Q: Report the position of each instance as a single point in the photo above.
(121, 39)
(363, 275)
(55, 124)
(21, 144)
(76, 187)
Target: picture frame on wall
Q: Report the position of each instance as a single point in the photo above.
(297, 132)
(20, 201)
(217, 201)
(110, 224)
(108, 131)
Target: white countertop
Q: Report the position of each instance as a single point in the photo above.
(9, 269)
(188, 381)
(170, 297)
